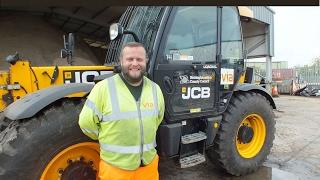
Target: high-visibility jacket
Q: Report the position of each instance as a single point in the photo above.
(126, 128)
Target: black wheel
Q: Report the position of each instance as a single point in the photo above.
(49, 146)
(246, 134)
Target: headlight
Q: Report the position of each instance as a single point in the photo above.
(114, 31)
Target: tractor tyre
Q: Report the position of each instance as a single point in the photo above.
(245, 135)
(49, 145)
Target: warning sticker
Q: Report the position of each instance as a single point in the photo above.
(227, 76)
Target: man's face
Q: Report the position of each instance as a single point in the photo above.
(133, 63)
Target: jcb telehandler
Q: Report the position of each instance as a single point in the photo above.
(196, 56)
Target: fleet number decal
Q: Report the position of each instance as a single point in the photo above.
(227, 76)
(195, 92)
(82, 76)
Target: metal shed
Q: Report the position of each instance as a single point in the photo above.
(258, 34)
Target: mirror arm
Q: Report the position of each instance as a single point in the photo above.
(136, 38)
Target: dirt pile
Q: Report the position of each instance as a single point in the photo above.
(38, 41)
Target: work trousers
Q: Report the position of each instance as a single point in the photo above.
(148, 172)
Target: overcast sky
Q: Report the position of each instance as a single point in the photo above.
(297, 34)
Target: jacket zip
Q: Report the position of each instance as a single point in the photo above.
(141, 130)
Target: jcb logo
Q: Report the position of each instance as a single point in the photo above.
(82, 76)
(195, 92)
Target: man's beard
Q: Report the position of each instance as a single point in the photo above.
(131, 79)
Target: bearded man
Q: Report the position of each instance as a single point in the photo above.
(123, 113)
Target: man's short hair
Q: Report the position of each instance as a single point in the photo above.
(132, 44)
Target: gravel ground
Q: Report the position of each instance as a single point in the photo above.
(296, 147)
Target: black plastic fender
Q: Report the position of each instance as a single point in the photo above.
(257, 89)
(32, 103)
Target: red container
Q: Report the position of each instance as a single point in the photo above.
(282, 74)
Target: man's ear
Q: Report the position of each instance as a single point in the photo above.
(120, 62)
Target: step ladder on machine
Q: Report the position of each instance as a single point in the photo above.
(192, 149)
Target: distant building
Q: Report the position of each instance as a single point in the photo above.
(260, 67)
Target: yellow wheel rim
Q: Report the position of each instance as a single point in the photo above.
(86, 153)
(252, 148)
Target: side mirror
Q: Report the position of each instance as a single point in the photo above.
(115, 31)
(67, 51)
(12, 59)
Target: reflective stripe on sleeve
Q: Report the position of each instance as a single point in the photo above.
(93, 107)
(95, 132)
(127, 149)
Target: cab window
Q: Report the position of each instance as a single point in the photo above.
(231, 45)
(192, 35)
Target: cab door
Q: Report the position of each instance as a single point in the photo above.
(186, 63)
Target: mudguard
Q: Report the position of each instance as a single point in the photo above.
(32, 103)
(257, 89)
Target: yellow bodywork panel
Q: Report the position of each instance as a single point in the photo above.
(4, 79)
(32, 79)
(242, 78)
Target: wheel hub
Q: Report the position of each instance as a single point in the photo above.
(79, 161)
(79, 170)
(245, 134)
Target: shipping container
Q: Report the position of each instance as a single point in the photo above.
(283, 74)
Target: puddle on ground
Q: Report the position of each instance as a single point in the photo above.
(168, 170)
(277, 174)
(267, 173)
